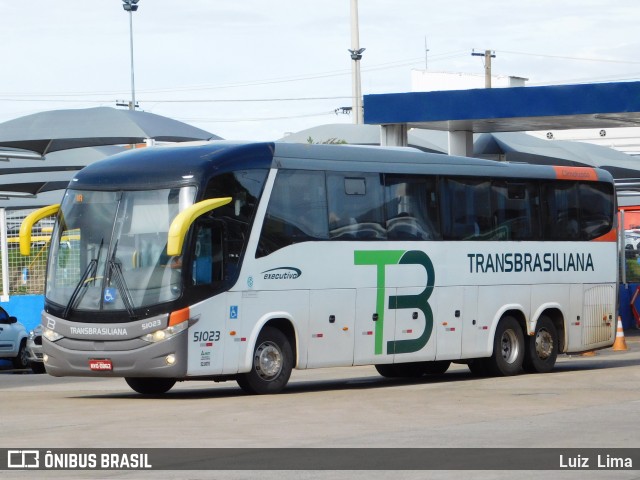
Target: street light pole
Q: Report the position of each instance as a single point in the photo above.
(356, 56)
(131, 6)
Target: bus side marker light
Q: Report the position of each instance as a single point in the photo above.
(368, 333)
(452, 329)
(317, 335)
(408, 331)
(232, 333)
(179, 316)
(345, 329)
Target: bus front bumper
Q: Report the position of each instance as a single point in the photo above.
(163, 359)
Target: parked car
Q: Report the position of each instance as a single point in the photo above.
(631, 242)
(13, 340)
(34, 350)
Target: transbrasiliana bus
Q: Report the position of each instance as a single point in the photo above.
(230, 261)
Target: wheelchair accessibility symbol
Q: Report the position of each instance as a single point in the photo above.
(109, 295)
(233, 312)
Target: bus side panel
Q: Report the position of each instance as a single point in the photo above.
(331, 328)
(456, 325)
(415, 334)
(573, 321)
(473, 333)
(599, 316)
(234, 343)
(207, 337)
(375, 327)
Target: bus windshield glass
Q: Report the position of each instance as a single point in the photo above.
(108, 251)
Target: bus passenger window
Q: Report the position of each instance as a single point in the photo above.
(596, 210)
(561, 203)
(516, 210)
(297, 211)
(411, 208)
(466, 209)
(356, 206)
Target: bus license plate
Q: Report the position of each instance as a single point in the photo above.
(100, 365)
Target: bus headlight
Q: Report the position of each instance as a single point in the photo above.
(165, 334)
(51, 335)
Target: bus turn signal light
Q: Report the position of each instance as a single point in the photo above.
(178, 316)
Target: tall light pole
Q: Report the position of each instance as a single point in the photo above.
(131, 6)
(356, 56)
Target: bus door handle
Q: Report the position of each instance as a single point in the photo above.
(374, 317)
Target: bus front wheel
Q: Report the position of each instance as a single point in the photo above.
(541, 349)
(508, 349)
(150, 386)
(272, 364)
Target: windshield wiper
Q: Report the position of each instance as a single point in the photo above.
(83, 283)
(121, 285)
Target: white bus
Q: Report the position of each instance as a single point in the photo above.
(241, 262)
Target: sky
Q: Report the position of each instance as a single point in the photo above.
(256, 70)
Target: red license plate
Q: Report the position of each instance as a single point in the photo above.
(103, 365)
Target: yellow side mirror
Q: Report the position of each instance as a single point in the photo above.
(180, 225)
(28, 223)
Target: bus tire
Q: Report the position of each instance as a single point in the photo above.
(437, 367)
(150, 386)
(271, 366)
(541, 349)
(508, 349)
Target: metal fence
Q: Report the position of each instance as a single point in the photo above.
(21, 275)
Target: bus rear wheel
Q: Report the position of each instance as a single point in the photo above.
(272, 364)
(541, 349)
(150, 386)
(508, 349)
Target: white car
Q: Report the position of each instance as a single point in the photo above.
(631, 241)
(13, 340)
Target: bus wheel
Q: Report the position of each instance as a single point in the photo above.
(508, 349)
(272, 364)
(150, 386)
(436, 368)
(541, 349)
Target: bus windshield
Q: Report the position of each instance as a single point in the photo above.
(108, 251)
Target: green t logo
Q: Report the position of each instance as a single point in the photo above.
(382, 258)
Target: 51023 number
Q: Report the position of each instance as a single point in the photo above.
(206, 336)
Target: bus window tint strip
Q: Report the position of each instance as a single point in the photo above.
(308, 205)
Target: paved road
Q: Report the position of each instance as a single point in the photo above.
(586, 402)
